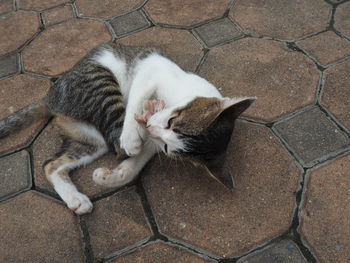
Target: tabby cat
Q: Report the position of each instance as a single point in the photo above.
(105, 103)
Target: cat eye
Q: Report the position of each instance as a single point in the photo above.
(170, 121)
(165, 148)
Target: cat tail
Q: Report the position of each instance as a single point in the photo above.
(24, 117)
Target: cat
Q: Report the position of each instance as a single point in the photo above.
(136, 102)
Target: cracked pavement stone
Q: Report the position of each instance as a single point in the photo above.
(312, 136)
(15, 174)
(324, 219)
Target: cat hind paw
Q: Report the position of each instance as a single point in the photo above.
(115, 178)
(80, 204)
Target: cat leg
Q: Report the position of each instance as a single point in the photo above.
(133, 134)
(57, 172)
(82, 144)
(127, 170)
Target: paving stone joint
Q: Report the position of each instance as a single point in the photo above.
(289, 153)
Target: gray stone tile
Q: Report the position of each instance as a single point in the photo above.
(8, 65)
(14, 174)
(283, 252)
(217, 32)
(312, 136)
(129, 22)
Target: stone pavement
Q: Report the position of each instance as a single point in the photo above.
(290, 152)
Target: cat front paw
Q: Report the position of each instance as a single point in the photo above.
(131, 142)
(79, 203)
(113, 178)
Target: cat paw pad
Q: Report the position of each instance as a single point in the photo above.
(118, 177)
(79, 204)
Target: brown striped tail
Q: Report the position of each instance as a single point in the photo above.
(24, 118)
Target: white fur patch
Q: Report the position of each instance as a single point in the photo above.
(117, 66)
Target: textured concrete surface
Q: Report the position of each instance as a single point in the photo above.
(326, 47)
(289, 153)
(38, 229)
(15, 174)
(118, 221)
(282, 19)
(58, 15)
(285, 251)
(17, 92)
(157, 252)
(257, 211)
(312, 136)
(326, 213)
(217, 32)
(8, 65)
(282, 79)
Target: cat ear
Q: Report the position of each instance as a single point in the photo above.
(218, 171)
(235, 107)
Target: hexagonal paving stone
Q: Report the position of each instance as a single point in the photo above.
(16, 29)
(58, 15)
(47, 144)
(106, 8)
(15, 93)
(157, 252)
(282, 19)
(6, 6)
(282, 80)
(15, 174)
(38, 229)
(312, 136)
(179, 45)
(342, 18)
(336, 93)
(8, 65)
(133, 21)
(285, 251)
(217, 32)
(39, 5)
(190, 206)
(327, 47)
(326, 212)
(185, 13)
(59, 47)
(117, 222)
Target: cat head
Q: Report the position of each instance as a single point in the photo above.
(199, 131)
